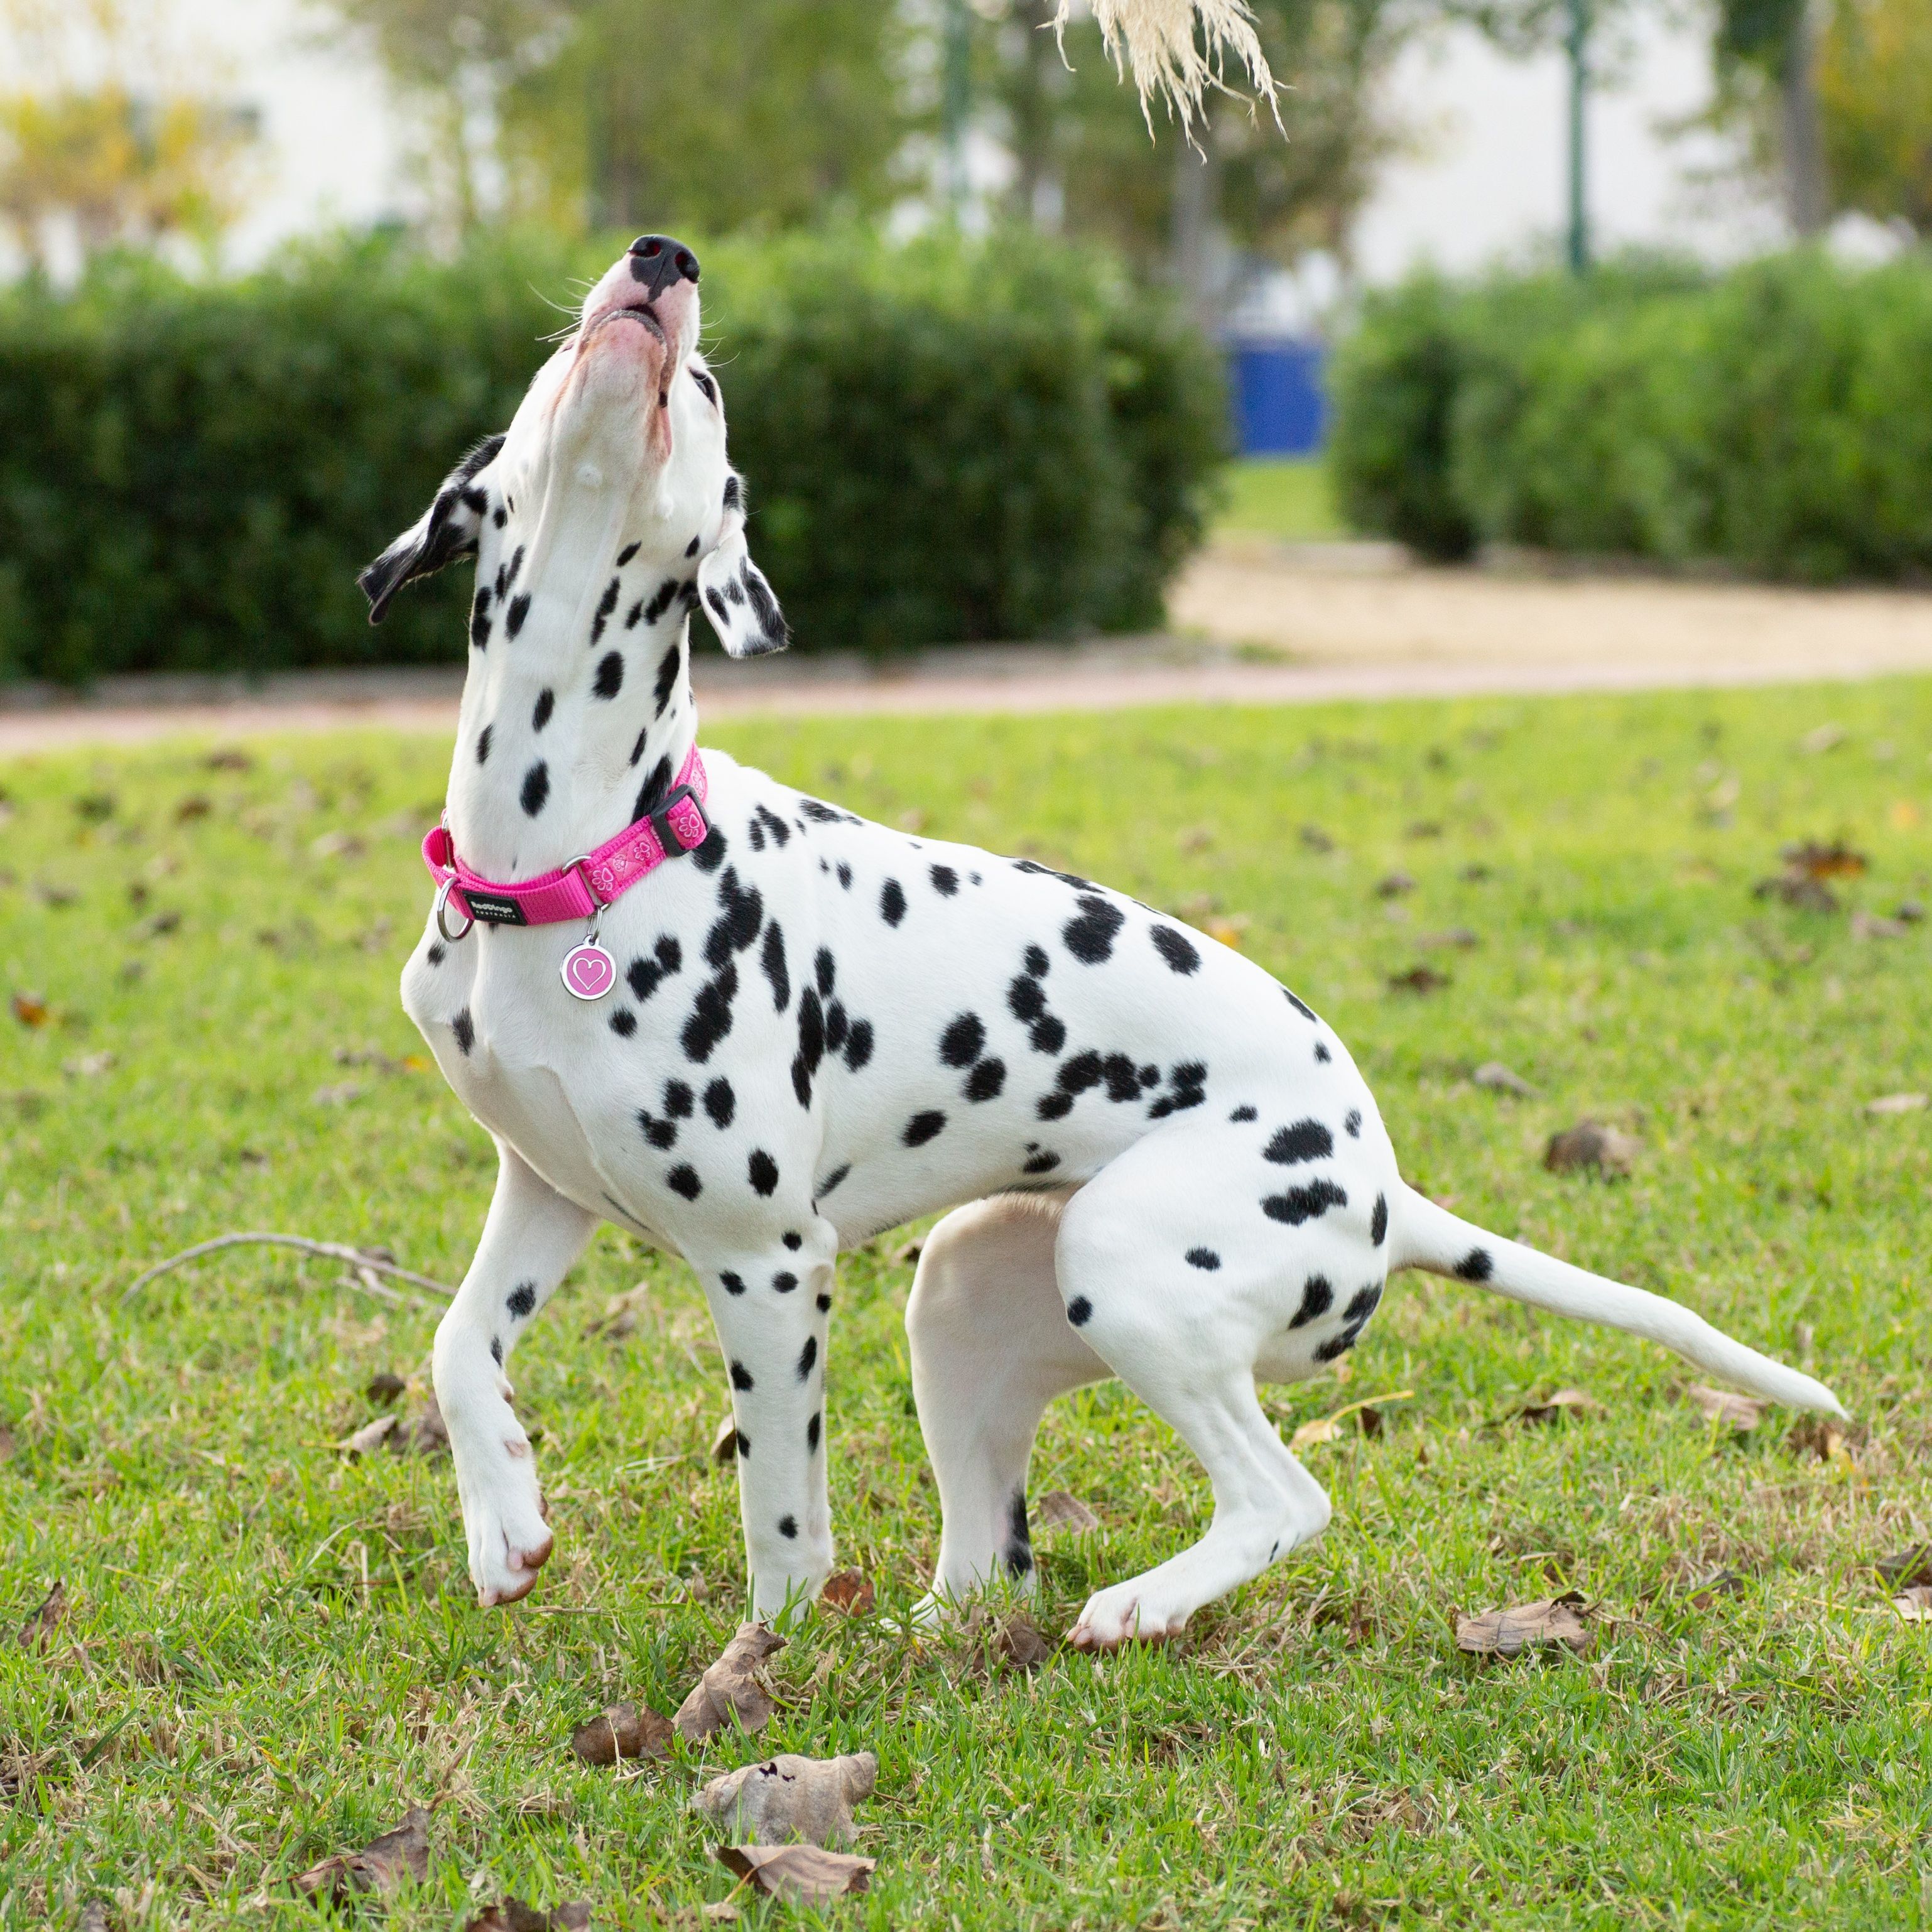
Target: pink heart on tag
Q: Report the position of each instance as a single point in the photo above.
(589, 971)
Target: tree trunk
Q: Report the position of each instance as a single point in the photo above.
(1805, 198)
(1197, 198)
(1033, 113)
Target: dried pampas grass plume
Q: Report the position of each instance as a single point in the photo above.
(1157, 39)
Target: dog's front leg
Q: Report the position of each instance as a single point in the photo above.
(530, 1238)
(771, 1307)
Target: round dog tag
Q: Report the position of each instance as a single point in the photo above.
(589, 971)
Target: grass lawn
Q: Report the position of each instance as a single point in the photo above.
(1289, 498)
(271, 1650)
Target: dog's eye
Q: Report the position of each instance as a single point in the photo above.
(705, 383)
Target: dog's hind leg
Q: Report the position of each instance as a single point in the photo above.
(530, 1238)
(1165, 1283)
(991, 1348)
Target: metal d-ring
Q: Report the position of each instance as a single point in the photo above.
(442, 923)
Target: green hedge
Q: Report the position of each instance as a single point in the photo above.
(944, 442)
(1776, 419)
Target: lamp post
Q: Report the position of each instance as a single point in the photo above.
(1575, 42)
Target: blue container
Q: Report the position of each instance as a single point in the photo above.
(1280, 397)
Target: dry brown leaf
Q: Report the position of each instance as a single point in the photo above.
(196, 804)
(1462, 938)
(370, 1436)
(1393, 885)
(1915, 1605)
(31, 1010)
(1719, 1583)
(788, 1798)
(424, 1430)
(1508, 1632)
(851, 1590)
(1871, 925)
(6, 1444)
(724, 1440)
(907, 1253)
(1590, 1144)
(1836, 860)
(1822, 1436)
(1897, 1103)
(93, 1917)
(1909, 1568)
(1822, 738)
(1743, 1412)
(514, 1915)
(384, 1386)
(729, 1691)
(1499, 1078)
(229, 758)
(38, 1629)
(1564, 1399)
(623, 1730)
(1059, 1509)
(1418, 979)
(1018, 1644)
(382, 1866)
(1798, 889)
(801, 1874)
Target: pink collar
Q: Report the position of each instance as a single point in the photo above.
(576, 890)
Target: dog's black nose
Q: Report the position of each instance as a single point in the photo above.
(661, 263)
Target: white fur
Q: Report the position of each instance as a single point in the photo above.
(1177, 1175)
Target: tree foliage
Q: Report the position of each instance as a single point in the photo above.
(1875, 92)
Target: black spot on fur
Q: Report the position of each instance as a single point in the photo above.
(891, 902)
(710, 1017)
(1025, 1000)
(788, 1525)
(479, 618)
(1306, 1012)
(962, 1042)
(483, 744)
(721, 1103)
(545, 704)
(733, 1284)
(793, 1240)
(1036, 960)
(785, 1282)
(831, 1181)
(1378, 1221)
(1476, 1265)
(661, 600)
(1205, 1258)
(661, 1134)
(677, 1099)
(1352, 1126)
(683, 1179)
(464, 1028)
(837, 1020)
(1054, 1106)
(762, 1172)
(859, 1044)
(922, 1127)
(824, 971)
(520, 609)
(1048, 1035)
(625, 555)
(1090, 937)
(1123, 1078)
(1018, 1553)
(536, 789)
(605, 605)
(1079, 1309)
(986, 1081)
(623, 1023)
(741, 915)
(845, 876)
(1362, 1303)
(1306, 1140)
(812, 1435)
(1317, 1294)
(808, 1356)
(434, 953)
(1322, 1055)
(668, 667)
(1242, 1114)
(1040, 1163)
(609, 675)
(1335, 1346)
(741, 1376)
(823, 1301)
(496, 1350)
(709, 856)
(521, 1300)
(645, 975)
(744, 1443)
(1176, 948)
(945, 881)
(1305, 1203)
(810, 1045)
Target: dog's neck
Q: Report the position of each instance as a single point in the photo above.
(575, 723)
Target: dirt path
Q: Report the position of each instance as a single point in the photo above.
(1254, 624)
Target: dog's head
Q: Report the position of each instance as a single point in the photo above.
(615, 454)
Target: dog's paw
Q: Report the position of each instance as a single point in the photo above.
(1128, 1613)
(504, 1519)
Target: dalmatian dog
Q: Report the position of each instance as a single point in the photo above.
(810, 1028)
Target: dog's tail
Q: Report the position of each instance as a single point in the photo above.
(1422, 1235)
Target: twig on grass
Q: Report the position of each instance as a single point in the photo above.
(362, 1264)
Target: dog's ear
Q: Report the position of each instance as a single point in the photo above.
(444, 531)
(737, 599)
